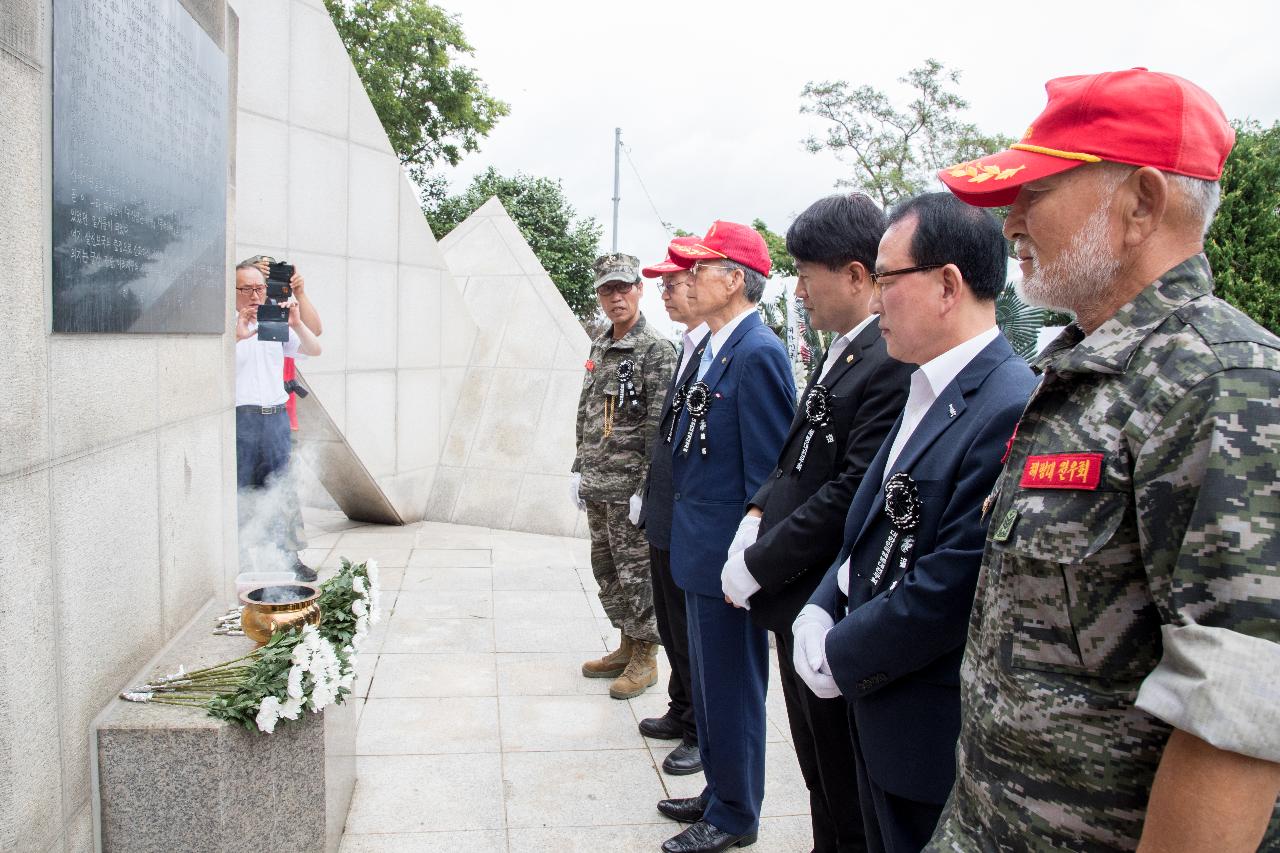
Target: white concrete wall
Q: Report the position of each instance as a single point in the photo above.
(322, 188)
(117, 490)
(506, 457)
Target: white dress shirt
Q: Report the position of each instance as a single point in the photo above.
(260, 370)
(840, 344)
(691, 338)
(718, 338)
(927, 382)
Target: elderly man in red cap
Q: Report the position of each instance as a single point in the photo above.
(737, 409)
(653, 515)
(1120, 681)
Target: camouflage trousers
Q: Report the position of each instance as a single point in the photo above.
(620, 563)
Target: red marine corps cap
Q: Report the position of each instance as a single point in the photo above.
(730, 241)
(670, 264)
(1139, 117)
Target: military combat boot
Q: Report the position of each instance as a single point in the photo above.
(611, 665)
(641, 671)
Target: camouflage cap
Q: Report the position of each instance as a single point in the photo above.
(616, 267)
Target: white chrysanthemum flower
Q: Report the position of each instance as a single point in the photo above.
(358, 607)
(268, 714)
(295, 682)
(348, 678)
(291, 709)
(371, 569)
(137, 696)
(301, 656)
(311, 636)
(358, 585)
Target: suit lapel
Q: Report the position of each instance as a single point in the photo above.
(721, 362)
(947, 409)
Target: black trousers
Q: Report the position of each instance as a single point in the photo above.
(895, 824)
(673, 628)
(820, 732)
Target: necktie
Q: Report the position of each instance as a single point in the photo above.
(707, 358)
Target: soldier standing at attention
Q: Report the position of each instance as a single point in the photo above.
(1120, 682)
(626, 377)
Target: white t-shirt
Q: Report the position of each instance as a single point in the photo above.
(260, 370)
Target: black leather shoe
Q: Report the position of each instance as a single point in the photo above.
(683, 760)
(702, 837)
(303, 572)
(665, 727)
(683, 809)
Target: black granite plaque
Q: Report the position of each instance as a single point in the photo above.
(139, 169)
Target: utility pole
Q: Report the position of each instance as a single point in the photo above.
(617, 165)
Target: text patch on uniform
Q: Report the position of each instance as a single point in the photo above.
(1062, 471)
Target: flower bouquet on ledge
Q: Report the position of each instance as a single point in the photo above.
(296, 670)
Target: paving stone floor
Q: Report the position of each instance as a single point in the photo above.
(479, 733)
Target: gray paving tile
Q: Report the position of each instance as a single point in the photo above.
(478, 841)
(441, 674)
(449, 557)
(541, 635)
(359, 552)
(418, 793)
(644, 838)
(547, 674)
(541, 604)
(556, 723)
(445, 604)
(599, 788)
(429, 726)
(415, 634)
(447, 577)
(535, 578)
(432, 534)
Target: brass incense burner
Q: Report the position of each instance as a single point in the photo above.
(268, 609)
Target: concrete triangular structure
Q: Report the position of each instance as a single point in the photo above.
(505, 459)
(319, 185)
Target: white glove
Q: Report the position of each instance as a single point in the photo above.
(748, 530)
(633, 509)
(810, 658)
(737, 582)
(575, 483)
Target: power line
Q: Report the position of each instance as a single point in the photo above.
(664, 223)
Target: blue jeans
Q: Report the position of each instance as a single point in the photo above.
(262, 466)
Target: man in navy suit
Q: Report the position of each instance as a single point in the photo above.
(886, 627)
(849, 406)
(654, 518)
(735, 417)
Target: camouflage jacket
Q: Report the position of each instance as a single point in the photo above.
(1131, 578)
(613, 434)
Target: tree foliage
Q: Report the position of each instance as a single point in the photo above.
(893, 151)
(565, 245)
(407, 53)
(1243, 244)
(783, 263)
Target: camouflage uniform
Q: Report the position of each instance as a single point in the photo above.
(1130, 592)
(613, 438)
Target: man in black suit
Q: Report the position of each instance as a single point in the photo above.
(850, 404)
(653, 515)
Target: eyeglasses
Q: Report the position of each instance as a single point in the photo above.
(878, 288)
(699, 266)
(612, 287)
(259, 290)
(670, 286)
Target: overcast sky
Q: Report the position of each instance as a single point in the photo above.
(708, 94)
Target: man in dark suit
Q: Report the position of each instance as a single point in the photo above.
(653, 516)
(734, 420)
(886, 627)
(847, 409)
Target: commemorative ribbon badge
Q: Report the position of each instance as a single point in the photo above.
(627, 395)
(697, 402)
(677, 403)
(817, 410)
(902, 504)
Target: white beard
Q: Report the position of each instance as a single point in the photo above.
(1081, 277)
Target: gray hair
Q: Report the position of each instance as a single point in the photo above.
(249, 265)
(1196, 199)
(753, 281)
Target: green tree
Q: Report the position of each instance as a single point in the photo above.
(893, 152)
(1243, 244)
(783, 263)
(407, 53)
(565, 245)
